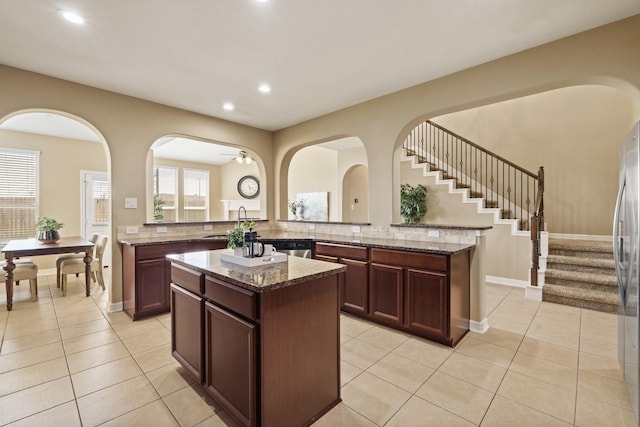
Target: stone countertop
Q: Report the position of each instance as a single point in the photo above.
(258, 279)
(397, 244)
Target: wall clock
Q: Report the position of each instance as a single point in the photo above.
(249, 187)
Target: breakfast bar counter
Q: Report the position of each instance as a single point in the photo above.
(265, 340)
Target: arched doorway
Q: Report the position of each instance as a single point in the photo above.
(318, 172)
(73, 172)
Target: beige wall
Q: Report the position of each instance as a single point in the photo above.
(355, 195)
(230, 175)
(574, 133)
(315, 169)
(63, 159)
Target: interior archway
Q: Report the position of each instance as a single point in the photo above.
(69, 147)
(316, 173)
(225, 165)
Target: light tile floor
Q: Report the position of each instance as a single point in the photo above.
(64, 361)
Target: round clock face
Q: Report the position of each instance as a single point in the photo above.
(248, 187)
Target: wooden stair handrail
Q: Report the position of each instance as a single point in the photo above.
(489, 152)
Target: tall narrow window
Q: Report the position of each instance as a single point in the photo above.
(100, 202)
(165, 191)
(196, 195)
(18, 193)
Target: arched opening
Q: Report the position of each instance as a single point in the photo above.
(316, 177)
(355, 194)
(195, 180)
(73, 184)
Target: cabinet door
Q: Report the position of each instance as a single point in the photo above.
(341, 279)
(230, 371)
(355, 288)
(385, 293)
(186, 330)
(426, 303)
(152, 286)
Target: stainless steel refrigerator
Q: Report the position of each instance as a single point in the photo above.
(626, 250)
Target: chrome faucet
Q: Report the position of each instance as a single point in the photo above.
(245, 215)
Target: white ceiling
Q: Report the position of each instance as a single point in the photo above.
(318, 56)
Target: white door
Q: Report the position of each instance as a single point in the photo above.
(95, 207)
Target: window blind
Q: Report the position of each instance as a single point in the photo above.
(196, 195)
(18, 193)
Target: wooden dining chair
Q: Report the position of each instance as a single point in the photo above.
(25, 270)
(80, 255)
(77, 265)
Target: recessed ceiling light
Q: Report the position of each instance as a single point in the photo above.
(262, 1)
(228, 106)
(72, 16)
(264, 88)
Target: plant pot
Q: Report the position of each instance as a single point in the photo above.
(48, 236)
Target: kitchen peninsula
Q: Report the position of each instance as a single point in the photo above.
(264, 340)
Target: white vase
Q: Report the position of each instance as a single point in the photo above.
(238, 251)
(299, 213)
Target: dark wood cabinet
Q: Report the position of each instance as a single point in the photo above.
(426, 302)
(146, 274)
(354, 288)
(186, 330)
(425, 294)
(230, 354)
(386, 293)
(269, 358)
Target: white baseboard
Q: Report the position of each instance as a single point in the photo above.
(580, 237)
(506, 281)
(479, 327)
(115, 306)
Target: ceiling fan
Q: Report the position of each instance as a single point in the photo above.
(241, 157)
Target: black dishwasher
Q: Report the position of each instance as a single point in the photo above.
(294, 247)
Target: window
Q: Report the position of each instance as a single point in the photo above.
(165, 190)
(100, 202)
(18, 193)
(196, 195)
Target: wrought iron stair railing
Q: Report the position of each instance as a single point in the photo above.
(517, 192)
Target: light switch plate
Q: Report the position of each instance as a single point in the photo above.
(131, 230)
(312, 226)
(161, 230)
(130, 203)
(433, 233)
(208, 227)
(355, 229)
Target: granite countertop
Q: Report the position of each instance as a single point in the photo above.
(398, 244)
(258, 279)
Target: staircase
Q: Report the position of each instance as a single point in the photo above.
(581, 273)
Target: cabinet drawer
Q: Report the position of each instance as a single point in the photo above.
(187, 278)
(409, 259)
(160, 251)
(236, 299)
(342, 251)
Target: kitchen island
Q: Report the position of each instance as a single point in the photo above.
(265, 340)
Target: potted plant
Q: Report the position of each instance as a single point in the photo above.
(413, 202)
(235, 237)
(158, 203)
(47, 229)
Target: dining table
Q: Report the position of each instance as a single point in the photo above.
(33, 247)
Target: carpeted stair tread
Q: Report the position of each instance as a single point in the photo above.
(582, 245)
(579, 261)
(590, 299)
(579, 276)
